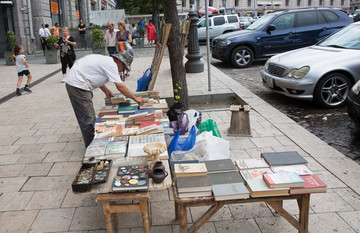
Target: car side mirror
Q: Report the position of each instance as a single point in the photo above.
(270, 28)
(199, 25)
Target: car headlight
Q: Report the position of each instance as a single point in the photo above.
(356, 88)
(266, 66)
(224, 42)
(299, 73)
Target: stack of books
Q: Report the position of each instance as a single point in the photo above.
(118, 98)
(106, 148)
(108, 110)
(108, 129)
(192, 180)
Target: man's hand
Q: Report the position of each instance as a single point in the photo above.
(139, 100)
(109, 94)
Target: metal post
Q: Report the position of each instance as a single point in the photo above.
(194, 64)
(208, 44)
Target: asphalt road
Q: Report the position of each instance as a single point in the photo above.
(331, 125)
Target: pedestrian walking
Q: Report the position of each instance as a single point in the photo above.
(82, 31)
(134, 34)
(42, 36)
(22, 69)
(67, 52)
(127, 25)
(89, 73)
(150, 28)
(110, 38)
(123, 41)
(55, 29)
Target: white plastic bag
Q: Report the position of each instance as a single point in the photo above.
(216, 148)
(198, 152)
(193, 116)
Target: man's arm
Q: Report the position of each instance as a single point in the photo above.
(107, 92)
(126, 92)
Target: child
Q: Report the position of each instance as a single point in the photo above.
(22, 68)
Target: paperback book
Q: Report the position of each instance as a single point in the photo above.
(283, 180)
(190, 169)
(230, 191)
(252, 174)
(244, 164)
(300, 169)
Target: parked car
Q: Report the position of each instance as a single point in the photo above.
(353, 104)
(277, 32)
(324, 72)
(245, 22)
(218, 25)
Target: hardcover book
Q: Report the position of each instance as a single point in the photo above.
(230, 191)
(251, 174)
(300, 169)
(172, 163)
(258, 188)
(190, 169)
(283, 180)
(283, 158)
(244, 164)
(129, 178)
(193, 184)
(225, 178)
(313, 184)
(195, 194)
(221, 165)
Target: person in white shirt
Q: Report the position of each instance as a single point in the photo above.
(47, 33)
(88, 73)
(127, 25)
(42, 36)
(110, 38)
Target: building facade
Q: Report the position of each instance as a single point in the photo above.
(25, 17)
(259, 7)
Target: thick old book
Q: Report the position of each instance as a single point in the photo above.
(258, 188)
(190, 169)
(221, 165)
(225, 178)
(230, 191)
(244, 164)
(300, 169)
(195, 194)
(252, 174)
(129, 110)
(172, 163)
(283, 180)
(283, 158)
(193, 184)
(313, 184)
(118, 98)
(130, 178)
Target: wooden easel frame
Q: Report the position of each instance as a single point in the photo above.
(159, 52)
(185, 32)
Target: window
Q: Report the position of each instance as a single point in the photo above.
(309, 2)
(211, 3)
(236, 2)
(331, 17)
(331, 2)
(284, 21)
(342, 2)
(249, 2)
(219, 21)
(203, 23)
(321, 2)
(198, 3)
(321, 18)
(287, 3)
(306, 18)
(298, 2)
(232, 19)
(223, 2)
(184, 3)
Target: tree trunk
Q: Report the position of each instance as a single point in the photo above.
(155, 18)
(175, 52)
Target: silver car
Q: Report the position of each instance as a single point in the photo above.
(324, 72)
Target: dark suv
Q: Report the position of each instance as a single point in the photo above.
(277, 32)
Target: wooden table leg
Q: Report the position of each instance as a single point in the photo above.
(106, 209)
(145, 216)
(304, 205)
(183, 219)
(206, 216)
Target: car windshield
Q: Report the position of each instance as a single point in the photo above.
(260, 23)
(348, 38)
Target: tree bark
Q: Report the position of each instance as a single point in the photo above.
(155, 18)
(175, 53)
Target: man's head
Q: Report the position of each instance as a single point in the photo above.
(81, 21)
(43, 25)
(110, 26)
(56, 25)
(123, 59)
(46, 25)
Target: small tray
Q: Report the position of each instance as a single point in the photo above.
(84, 178)
(102, 176)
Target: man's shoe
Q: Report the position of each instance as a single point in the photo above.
(18, 93)
(63, 80)
(27, 89)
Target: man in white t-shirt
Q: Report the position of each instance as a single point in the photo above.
(110, 38)
(88, 73)
(42, 36)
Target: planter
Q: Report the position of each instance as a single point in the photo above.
(139, 42)
(52, 56)
(99, 51)
(9, 58)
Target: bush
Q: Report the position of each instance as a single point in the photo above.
(10, 41)
(140, 31)
(97, 38)
(50, 40)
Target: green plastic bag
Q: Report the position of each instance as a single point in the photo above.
(210, 125)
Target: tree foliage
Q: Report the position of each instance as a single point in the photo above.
(138, 7)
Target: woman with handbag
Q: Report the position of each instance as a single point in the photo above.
(123, 41)
(67, 52)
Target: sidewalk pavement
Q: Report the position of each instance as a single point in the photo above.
(41, 149)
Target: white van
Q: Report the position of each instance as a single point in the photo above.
(218, 25)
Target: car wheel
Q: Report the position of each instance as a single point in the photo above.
(242, 57)
(332, 90)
